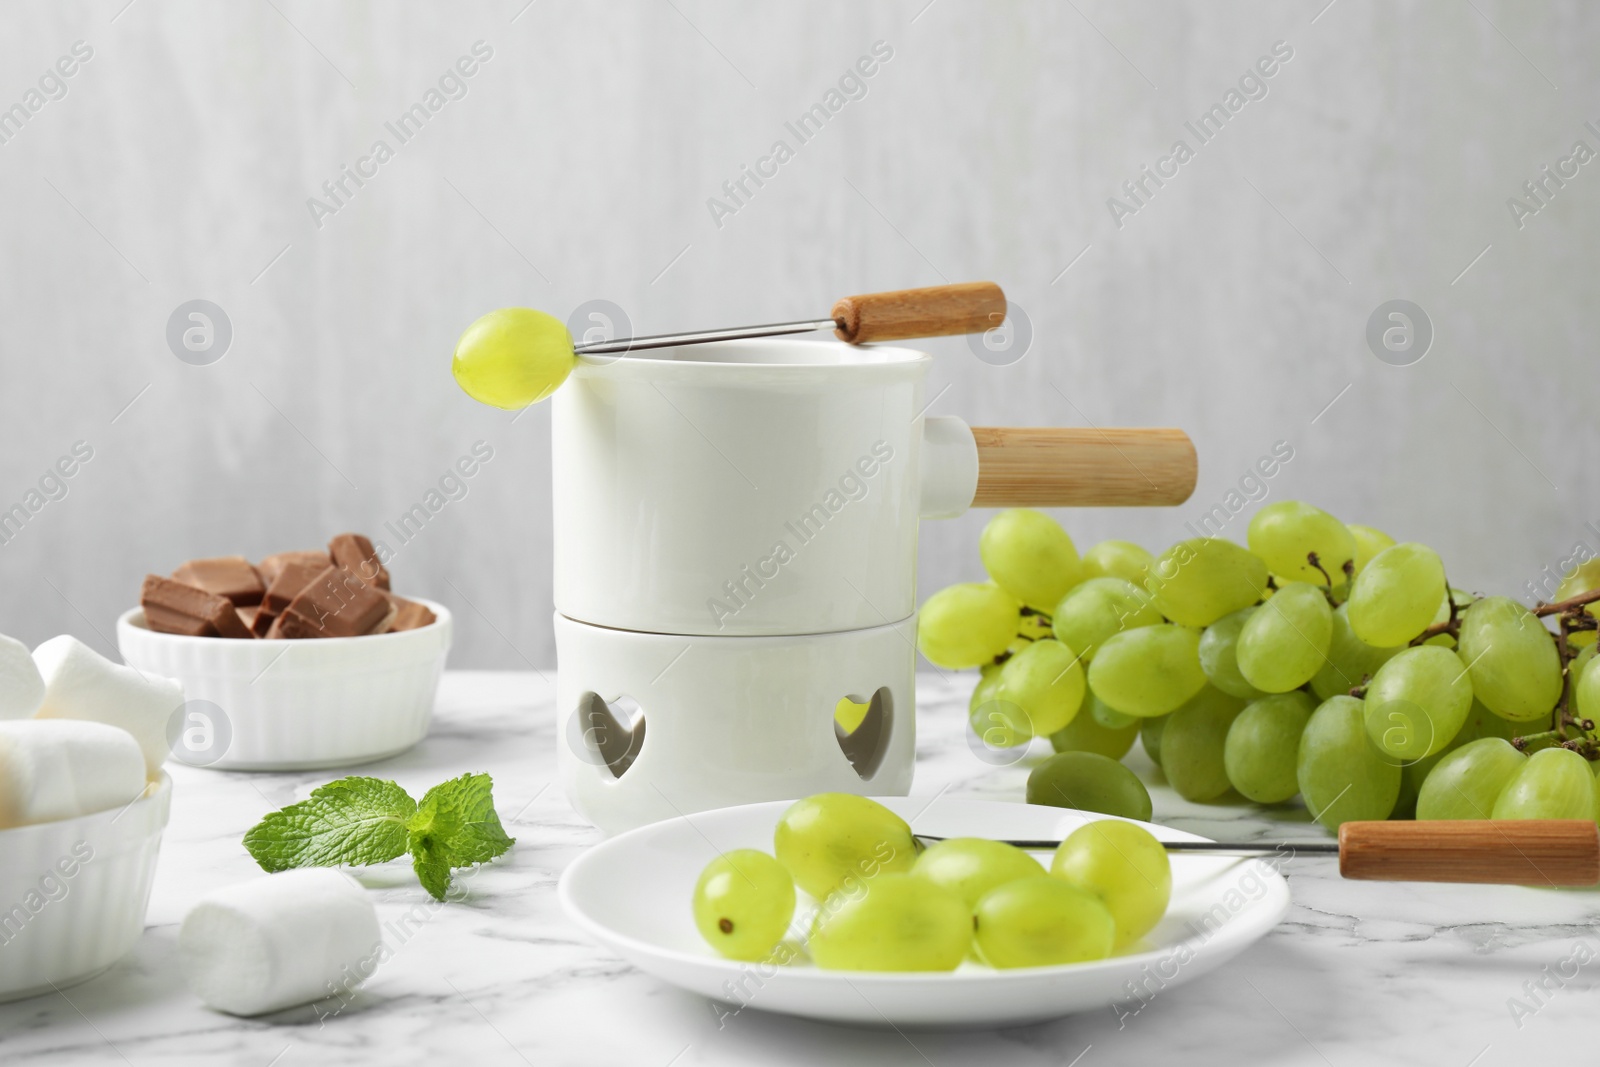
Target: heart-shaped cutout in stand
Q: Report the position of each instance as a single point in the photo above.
(862, 729)
(608, 733)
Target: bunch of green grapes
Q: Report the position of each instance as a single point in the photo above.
(1323, 661)
(883, 903)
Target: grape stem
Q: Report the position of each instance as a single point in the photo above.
(1312, 558)
(1586, 747)
(1327, 590)
(1535, 742)
(1570, 616)
(1451, 626)
(1570, 604)
(1563, 712)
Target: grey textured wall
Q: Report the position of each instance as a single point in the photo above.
(1232, 302)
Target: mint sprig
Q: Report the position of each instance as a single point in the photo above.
(358, 821)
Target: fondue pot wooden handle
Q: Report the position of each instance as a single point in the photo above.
(1074, 467)
(970, 307)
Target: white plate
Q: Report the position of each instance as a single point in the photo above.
(632, 893)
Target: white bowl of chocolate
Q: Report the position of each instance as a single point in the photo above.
(304, 660)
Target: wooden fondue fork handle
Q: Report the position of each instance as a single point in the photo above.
(939, 311)
(1505, 851)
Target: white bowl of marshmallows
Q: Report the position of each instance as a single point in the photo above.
(83, 802)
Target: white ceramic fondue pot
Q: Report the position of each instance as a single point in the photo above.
(735, 551)
(774, 487)
(750, 487)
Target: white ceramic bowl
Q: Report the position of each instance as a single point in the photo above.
(294, 705)
(73, 893)
(633, 892)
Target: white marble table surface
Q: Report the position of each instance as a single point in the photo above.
(1359, 973)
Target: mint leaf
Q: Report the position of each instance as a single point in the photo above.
(454, 826)
(475, 833)
(433, 869)
(358, 821)
(353, 821)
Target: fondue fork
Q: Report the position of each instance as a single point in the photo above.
(1538, 852)
(939, 311)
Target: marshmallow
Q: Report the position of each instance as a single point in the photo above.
(21, 687)
(82, 684)
(61, 769)
(275, 942)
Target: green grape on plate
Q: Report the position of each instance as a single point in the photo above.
(743, 904)
(971, 866)
(832, 839)
(894, 922)
(1041, 922)
(1125, 867)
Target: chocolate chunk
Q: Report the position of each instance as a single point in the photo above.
(355, 554)
(336, 604)
(261, 625)
(165, 621)
(291, 580)
(228, 576)
(178, 608)
(273, 565)
(409, 615)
